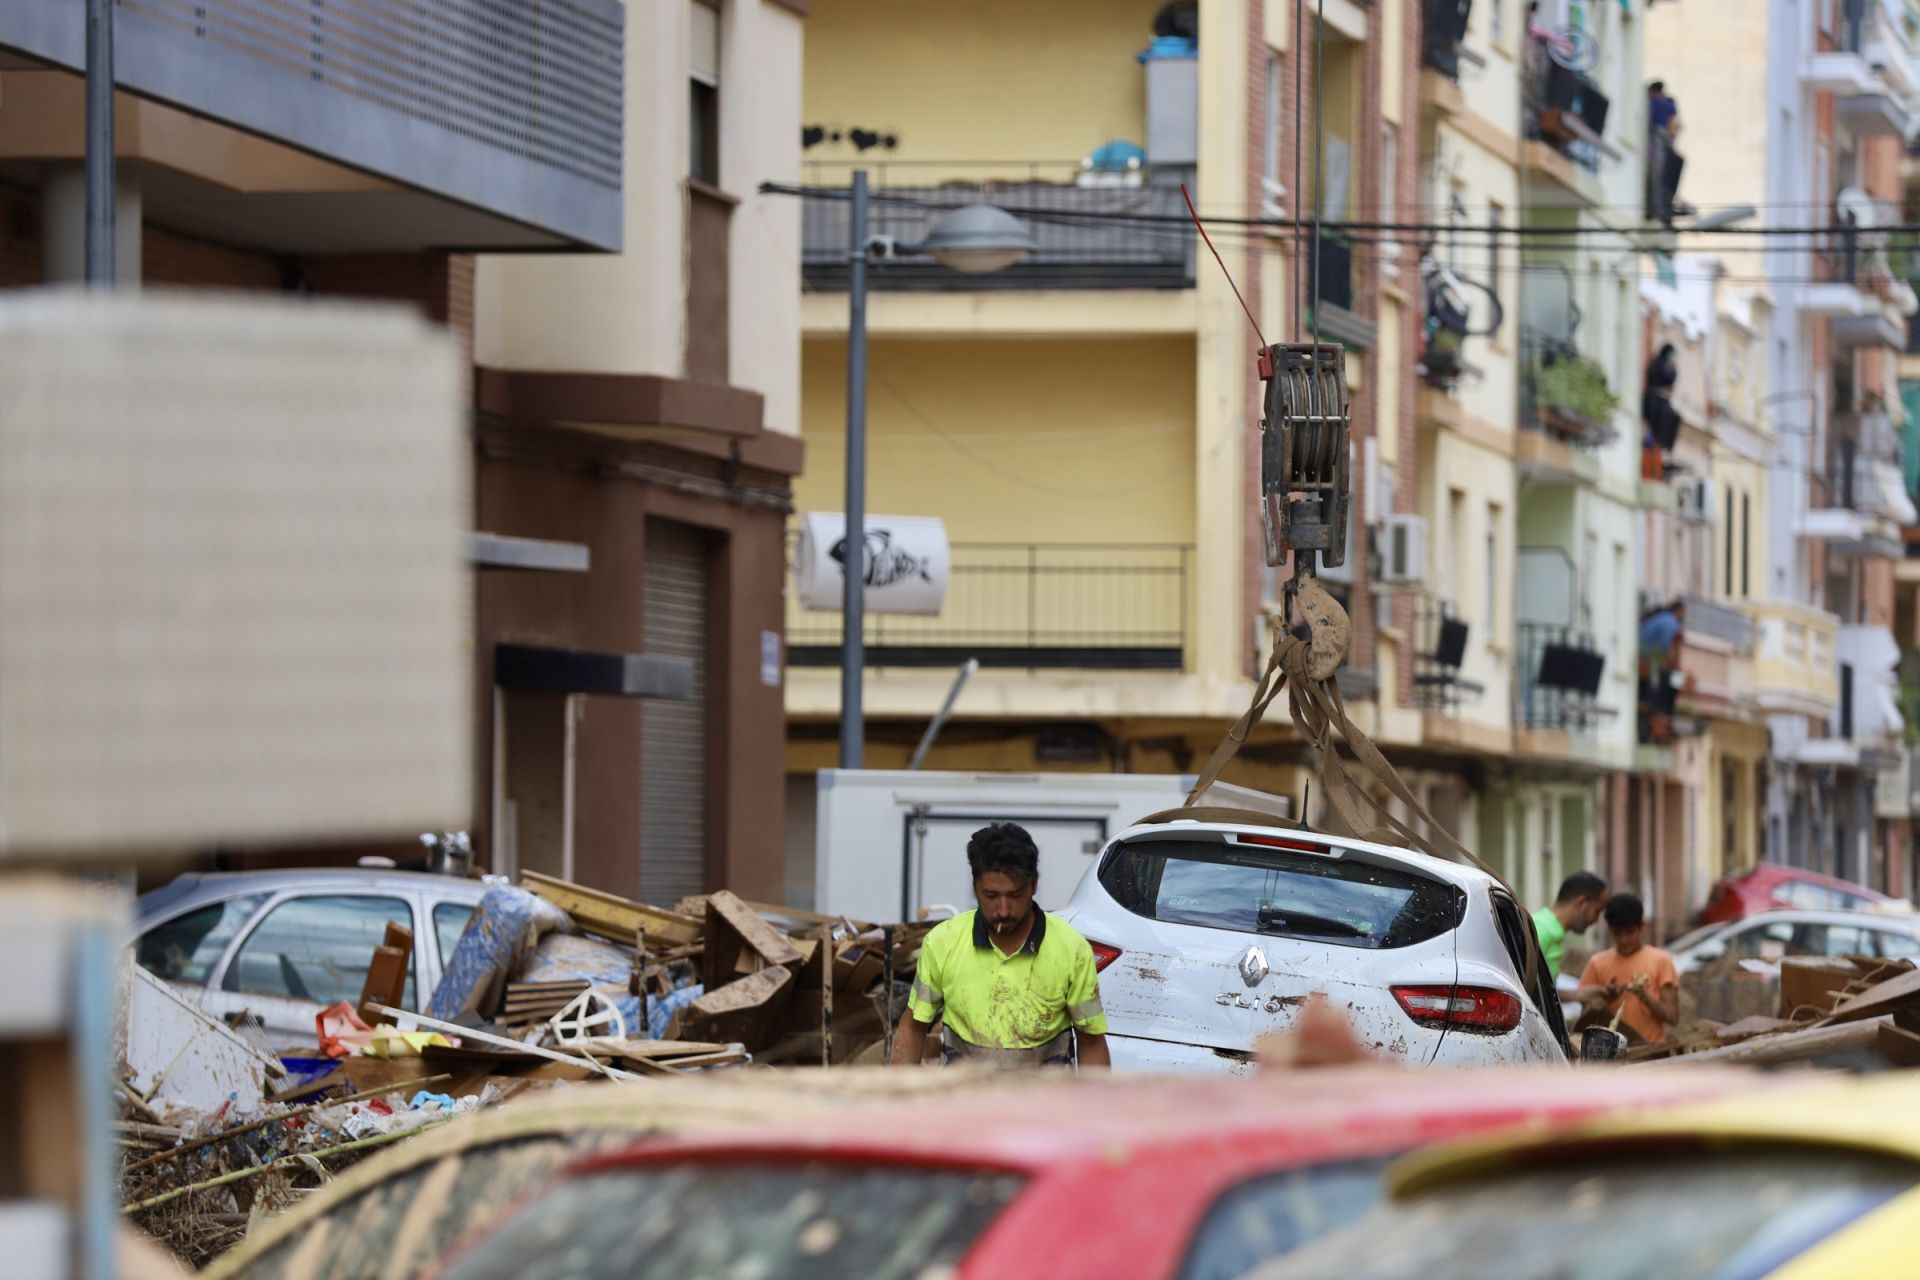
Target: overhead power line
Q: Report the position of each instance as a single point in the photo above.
(1288, 225)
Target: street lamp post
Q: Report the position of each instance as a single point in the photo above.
(974, 240)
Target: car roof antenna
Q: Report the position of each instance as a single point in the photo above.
(1306, 790)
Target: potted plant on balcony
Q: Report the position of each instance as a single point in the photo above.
(1571, 397)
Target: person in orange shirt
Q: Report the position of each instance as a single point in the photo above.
(1632, 979)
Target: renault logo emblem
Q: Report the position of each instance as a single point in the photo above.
(1253, 966)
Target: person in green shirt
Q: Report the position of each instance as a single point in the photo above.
(1015, 986)
(1583, 896)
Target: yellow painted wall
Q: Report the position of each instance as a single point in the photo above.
(1013, 441)
(1458, 573)
(990, 80)
(1225, 351)
(1494, 90)
(1711, 53)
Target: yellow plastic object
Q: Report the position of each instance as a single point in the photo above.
(1880, 1244)
(390, 1043)
(1879, 1115)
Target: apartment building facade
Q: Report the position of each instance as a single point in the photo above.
(1533, 164)
(572, 191)
(1085, 422)
(1825, 94)
(1702, 732)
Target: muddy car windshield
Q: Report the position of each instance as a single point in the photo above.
(1280, 892)
(1705, 1217)
(798, 1222)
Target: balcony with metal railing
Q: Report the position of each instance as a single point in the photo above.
(1794, 668)
(1443, 40)
(1091, 233)
(1871, 69)
(1440, 637)
(1566, 109)
(501, 124)
(1706, 675)
(1091, 606)
(1855, 285)
(1860, 502)
(1558, 670)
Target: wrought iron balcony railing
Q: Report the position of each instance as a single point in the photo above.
(1085, 237)
(1116, 606)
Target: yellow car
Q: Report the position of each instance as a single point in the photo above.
(1807, 1182)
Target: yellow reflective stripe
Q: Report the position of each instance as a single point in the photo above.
(926, 994)
(1086, 1010)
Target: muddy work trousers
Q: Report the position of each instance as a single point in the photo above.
(1057, 1052)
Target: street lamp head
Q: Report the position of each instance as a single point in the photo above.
(1722, 218)
(977, 239)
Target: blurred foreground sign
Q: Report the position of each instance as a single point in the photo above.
(233, 599)
(906, 566)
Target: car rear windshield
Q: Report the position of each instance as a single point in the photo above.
(1287, 894)
(1711, 1216)
(797, 1222)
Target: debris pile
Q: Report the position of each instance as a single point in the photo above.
(1856, 1012)
(551, 984)
(786, 986)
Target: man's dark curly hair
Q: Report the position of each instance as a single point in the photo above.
(1006, 848)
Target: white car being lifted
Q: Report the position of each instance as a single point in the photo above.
(1211, 934)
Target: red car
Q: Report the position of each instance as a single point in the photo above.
(1773, 888)
(1198, 1178)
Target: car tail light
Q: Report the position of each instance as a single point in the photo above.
(1281, 842)
(1103, 955)
(1486, 1010)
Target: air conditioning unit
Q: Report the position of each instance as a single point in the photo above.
(1696, 500)
(1403, 550)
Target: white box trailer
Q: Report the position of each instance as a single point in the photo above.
(890, 844)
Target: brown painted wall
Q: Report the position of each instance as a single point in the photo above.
(545, 483)
(19, 237)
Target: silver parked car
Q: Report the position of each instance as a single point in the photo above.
(1772, 935)
(282, 945)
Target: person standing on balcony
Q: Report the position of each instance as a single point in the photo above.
(1663, 113)
(1659, 421)
(1663, 161)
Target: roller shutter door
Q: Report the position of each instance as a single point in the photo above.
(673, 738)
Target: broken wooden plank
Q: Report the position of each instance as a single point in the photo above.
(612, 916)
(1883, 998)
(500, 1042)
(735, 933)
(1792, 1046)
(1812, 984)
(1897, 1045)
(746, 1010)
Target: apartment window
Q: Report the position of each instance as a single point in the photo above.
(1746, 546)
(1270, 154)
(1457, 541)
(1620, 579)
(703, 92)
(1491, 616)
(1496, 219)
(1726, 541)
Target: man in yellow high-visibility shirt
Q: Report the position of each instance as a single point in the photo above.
(1016, 986)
